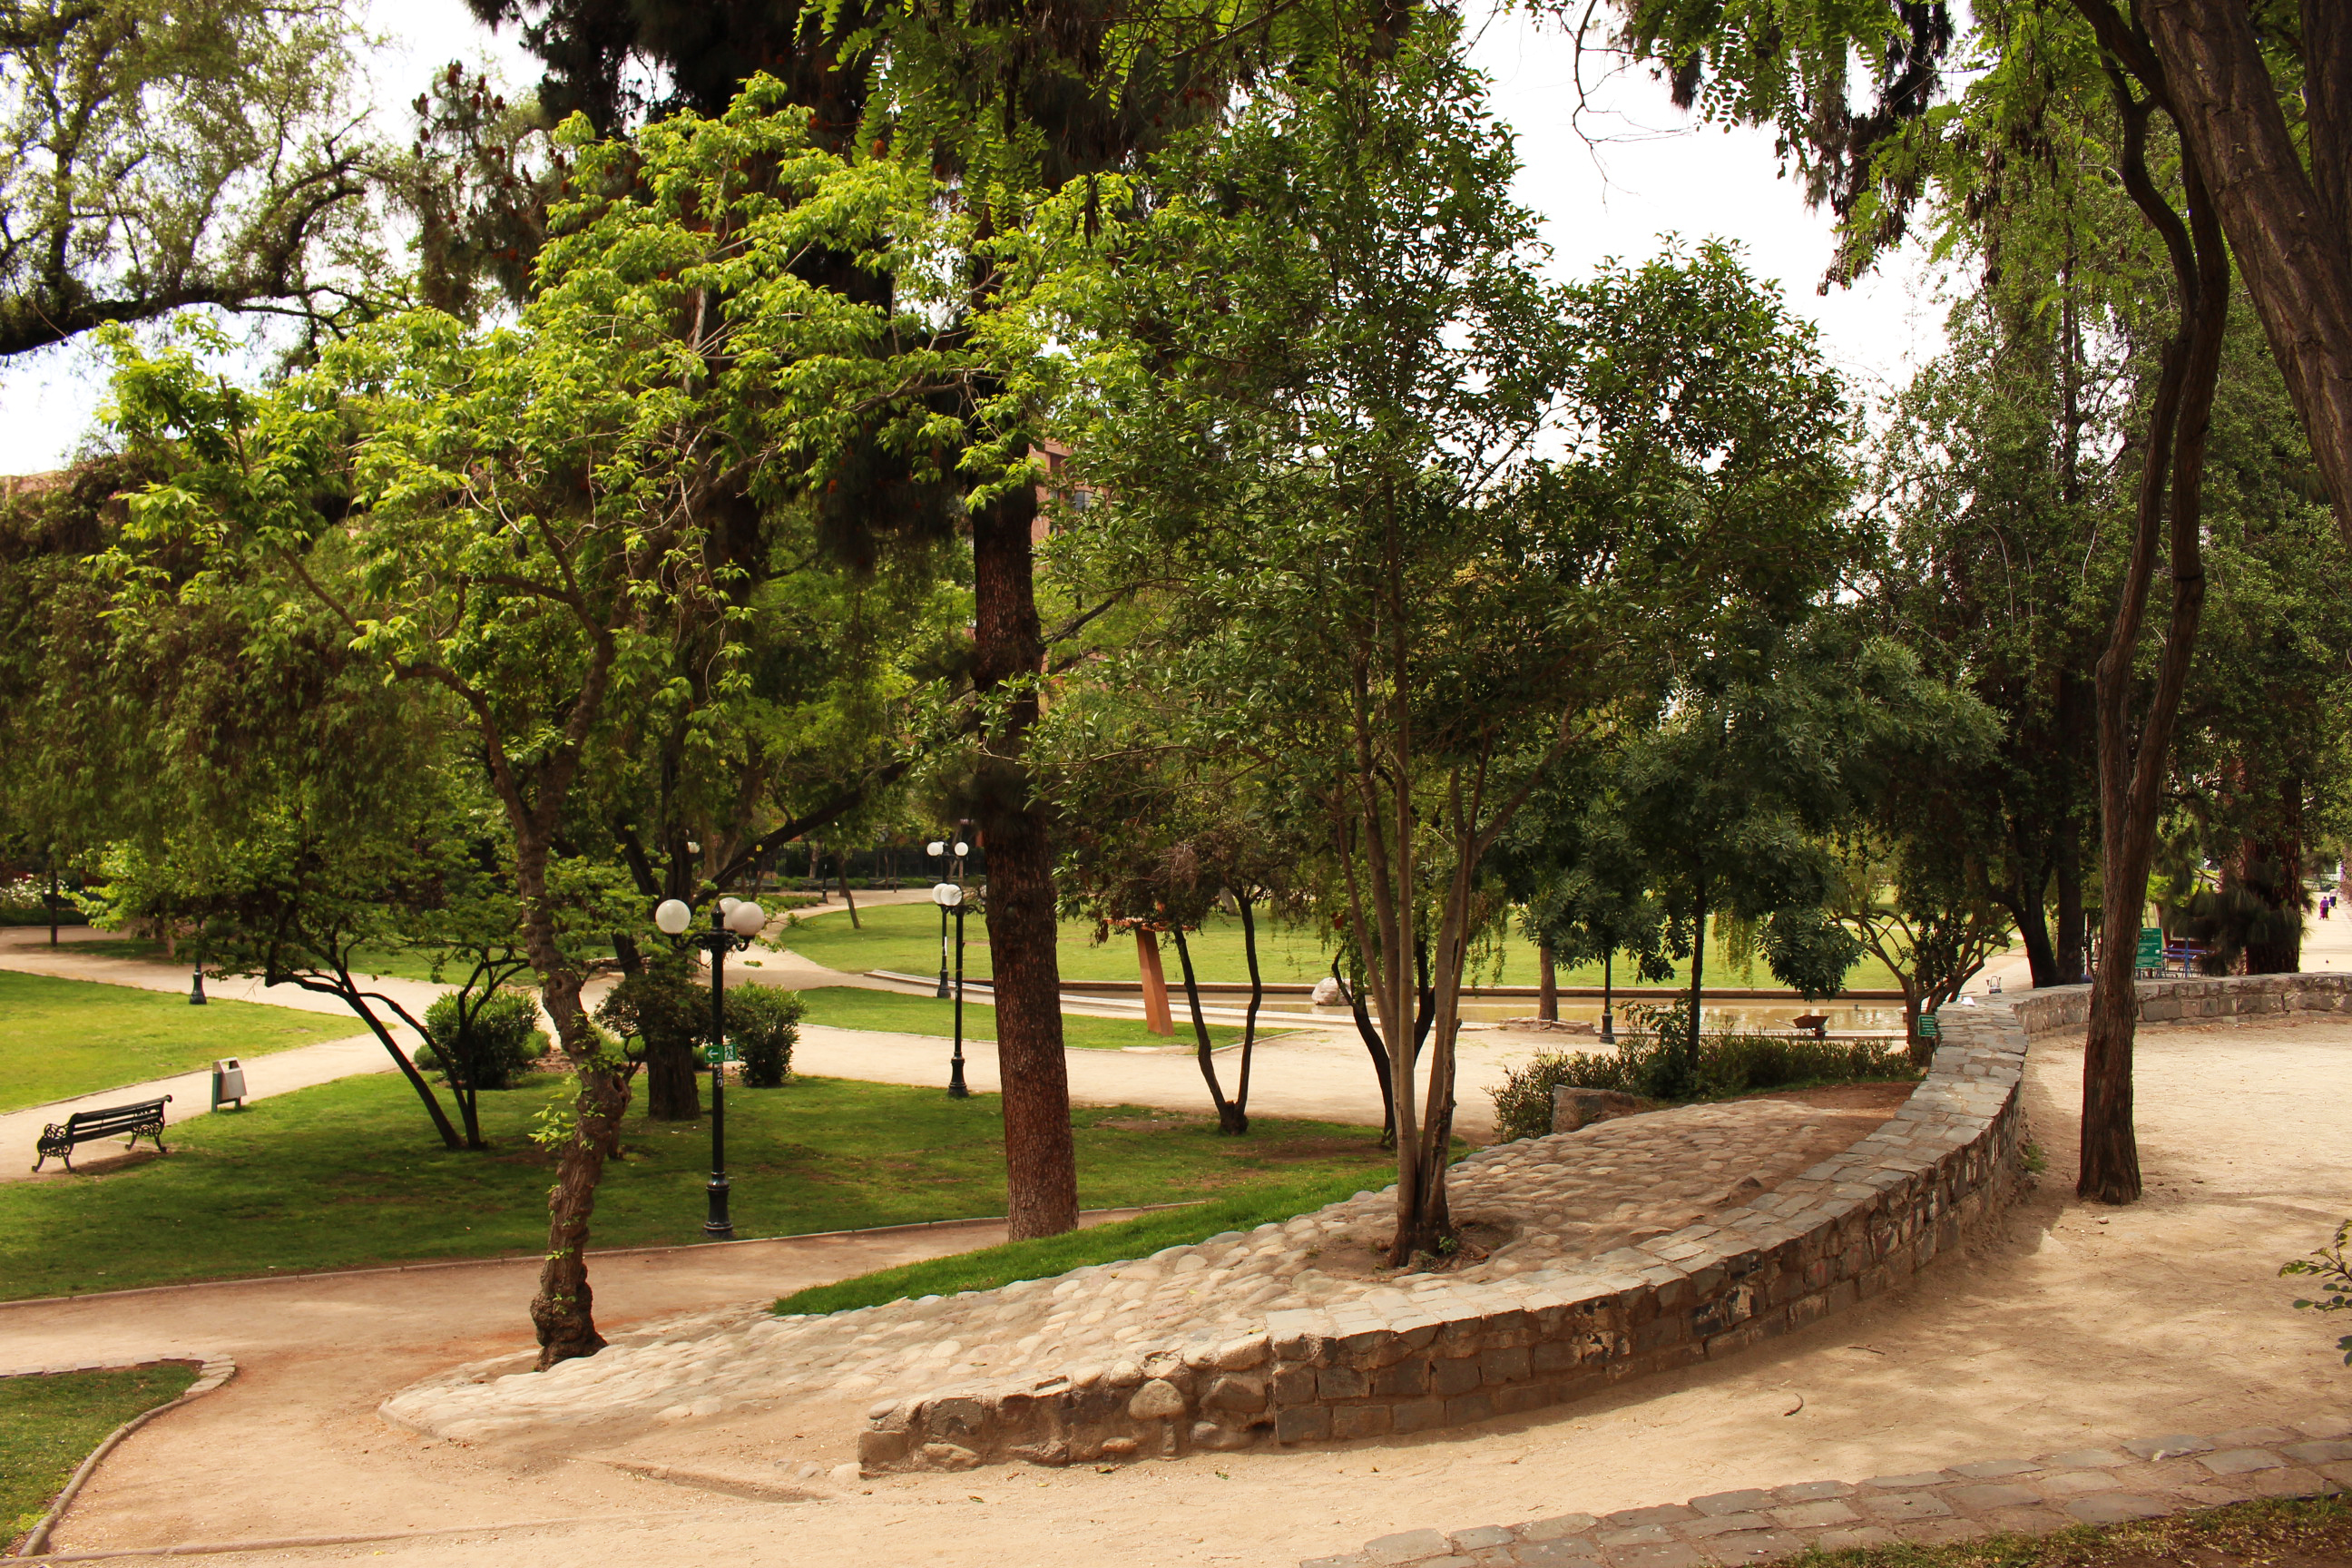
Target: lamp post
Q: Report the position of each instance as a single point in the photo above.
(733, 923)
(950, 897)
(938, 849)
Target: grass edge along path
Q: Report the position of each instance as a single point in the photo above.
(50, 1423)
(68, 1039)
(862, 1007)
(2310, 1530)
(988, 1268)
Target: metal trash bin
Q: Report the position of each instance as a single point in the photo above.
(228, 1082)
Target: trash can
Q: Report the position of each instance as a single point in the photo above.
(228, 1082)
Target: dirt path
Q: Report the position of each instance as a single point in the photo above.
(2078, 1327)
(279, 1073)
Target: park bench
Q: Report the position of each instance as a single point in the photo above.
(142, 1119)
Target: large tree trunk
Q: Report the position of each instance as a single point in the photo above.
(1546, 985)
(2022, 899)
(564, 1309)
(1008, 651)
(673, 1092)
(2132, 770)
(2292, 233)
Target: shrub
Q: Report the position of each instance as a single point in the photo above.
(765, 1025)
(1729, 1064)
(500, 1046)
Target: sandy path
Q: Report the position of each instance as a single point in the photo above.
(280, 1072)
(2079, 1326)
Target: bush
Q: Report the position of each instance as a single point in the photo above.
(764, 1025)
(1728, 1065)
(498, 1047)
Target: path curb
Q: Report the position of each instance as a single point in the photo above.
(210, 1372)
(2144, 1478)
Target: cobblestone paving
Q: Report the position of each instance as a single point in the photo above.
(2144, 1479)
(1560, 1200)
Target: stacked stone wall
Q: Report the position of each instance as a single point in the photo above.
(1848, 1229)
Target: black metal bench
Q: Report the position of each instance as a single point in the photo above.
(144, 1119)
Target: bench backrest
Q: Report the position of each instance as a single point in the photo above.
(115, 1118)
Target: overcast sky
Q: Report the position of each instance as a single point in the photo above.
(1644, 174)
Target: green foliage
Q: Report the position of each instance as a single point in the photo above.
(1650, 1065)
(763, 1024)
(658, 1009)
(488, 1049)
(2328, 1264)
(49, 1425)
(156, 155)
(1262, 1203)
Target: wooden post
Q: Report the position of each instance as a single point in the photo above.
(1156, 1016)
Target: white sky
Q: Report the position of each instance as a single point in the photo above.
(1652, 175)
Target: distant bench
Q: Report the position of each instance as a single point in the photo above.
(142, 1119)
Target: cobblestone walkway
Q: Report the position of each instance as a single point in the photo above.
(2145, 1479)
(1555, 1202)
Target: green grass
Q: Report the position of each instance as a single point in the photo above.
(399, 963)
(905, 938)
(349, 1174)
(990, 1267)
(49, 1425)
(2307, 1531)
(59, 1038)
(854, 1007)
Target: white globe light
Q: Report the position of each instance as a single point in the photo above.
(961, 847)
(947, 895)
(934, 847)
(745, 919)
(726, 906)
(672, 917)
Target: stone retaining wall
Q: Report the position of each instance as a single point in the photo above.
(1851, 1227)
(2186, 1001)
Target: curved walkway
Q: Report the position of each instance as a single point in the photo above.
(2079, 1328)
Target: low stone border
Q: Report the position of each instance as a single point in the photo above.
(2146, 1477)
(210, 1372)
(1849, 1228)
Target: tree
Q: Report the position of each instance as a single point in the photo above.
(1786, 65)
(1016, 107)
(1724, 810)
(530, 519)
(1318, 367)
(156, 156)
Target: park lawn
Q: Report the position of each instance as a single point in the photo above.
(854, 1007)
(49, 1425)
(59, 1038)
(349, 1174)
(990, 1267)
(905, 938)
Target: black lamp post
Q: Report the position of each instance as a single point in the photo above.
(938, 850)
(949, 896)
(733, 924)
(1608, 1033)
